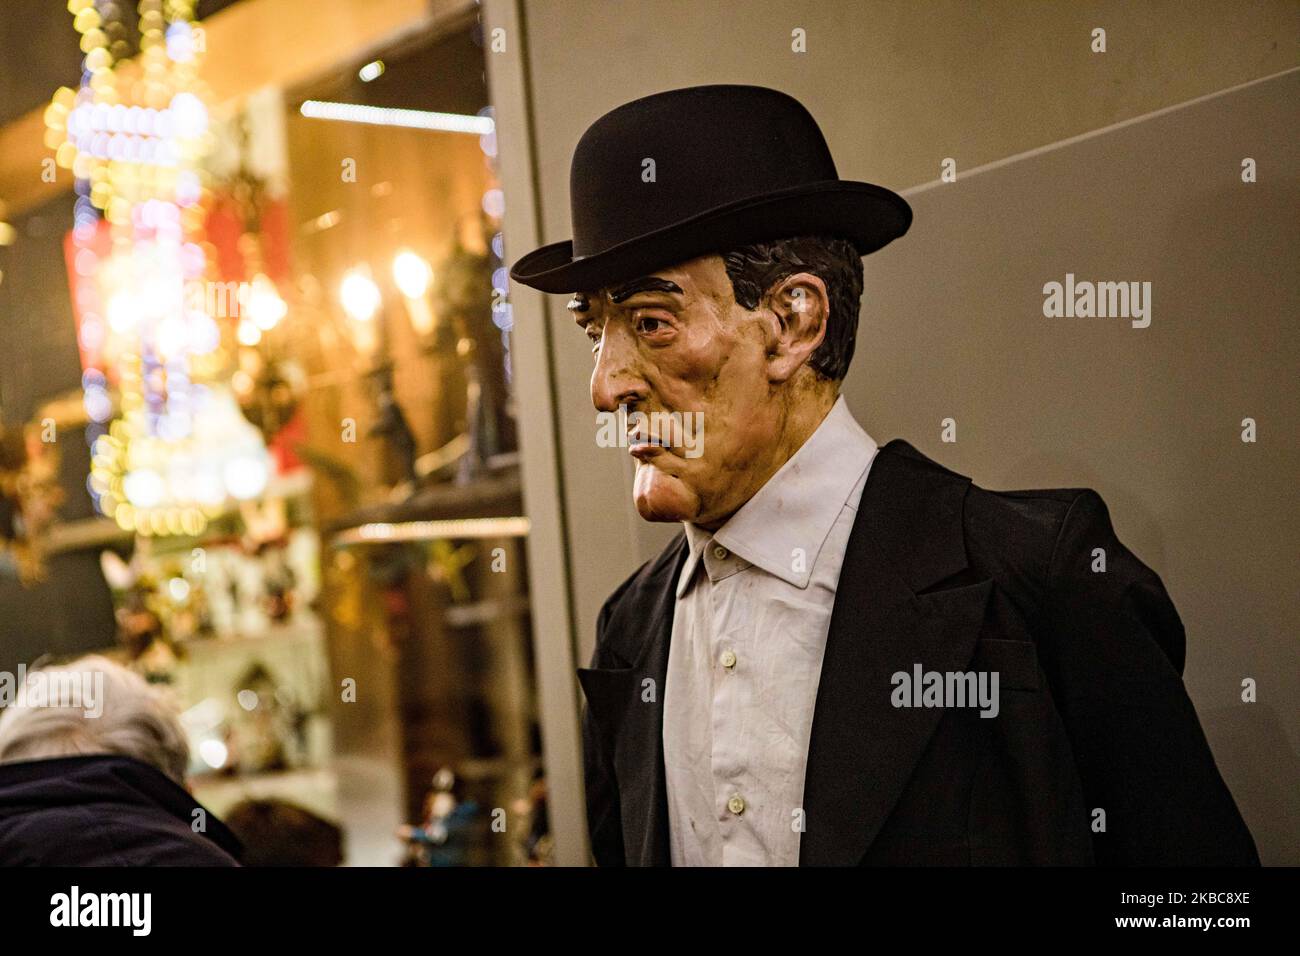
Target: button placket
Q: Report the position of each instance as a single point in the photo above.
(729, 716)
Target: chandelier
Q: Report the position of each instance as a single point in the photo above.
(173, 450)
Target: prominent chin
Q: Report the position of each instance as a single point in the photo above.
(662, 497)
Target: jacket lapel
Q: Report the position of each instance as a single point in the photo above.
(907, 537)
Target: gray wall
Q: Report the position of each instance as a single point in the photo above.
(953, 327)
(952, 323)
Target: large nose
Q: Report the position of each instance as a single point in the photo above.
(617, 379)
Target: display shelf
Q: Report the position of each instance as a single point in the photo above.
(491, 496)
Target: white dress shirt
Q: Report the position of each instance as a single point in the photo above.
(753, 610)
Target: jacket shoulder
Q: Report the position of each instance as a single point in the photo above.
(639, 576)
(1013, 535)
(1010, 536)
(1018, 527)
(631, 599)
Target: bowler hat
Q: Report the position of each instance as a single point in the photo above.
(704, 169)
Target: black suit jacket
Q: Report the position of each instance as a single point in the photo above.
(938, 572)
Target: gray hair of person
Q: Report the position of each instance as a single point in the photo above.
(137, 720)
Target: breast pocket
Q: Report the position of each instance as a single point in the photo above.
(1015, 663)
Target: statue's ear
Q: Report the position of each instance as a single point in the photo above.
(801, 308)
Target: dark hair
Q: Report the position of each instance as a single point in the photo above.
(754, 269)
(278, 833)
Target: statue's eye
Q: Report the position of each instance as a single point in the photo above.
(648, 324)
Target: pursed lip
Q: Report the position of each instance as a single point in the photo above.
(644, 446)
(646, 451)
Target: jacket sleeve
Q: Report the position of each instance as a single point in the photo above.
(1113, 649)
(604, 819)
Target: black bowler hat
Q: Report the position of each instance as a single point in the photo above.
(731, 165)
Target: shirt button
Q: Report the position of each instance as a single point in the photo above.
(720, 553)
(728, 659)
(736, 805)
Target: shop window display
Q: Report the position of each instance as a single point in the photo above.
(299, 483)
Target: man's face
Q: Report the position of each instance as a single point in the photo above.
(676, 341)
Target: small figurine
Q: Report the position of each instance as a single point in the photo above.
(442, 838)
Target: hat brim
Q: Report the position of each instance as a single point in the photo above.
(869, 216)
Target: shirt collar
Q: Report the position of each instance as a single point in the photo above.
(797, 507)
(696, 539)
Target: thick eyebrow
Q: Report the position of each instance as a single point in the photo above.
(643, 284)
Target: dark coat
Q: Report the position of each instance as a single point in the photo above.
(941, 573)
(104, 811)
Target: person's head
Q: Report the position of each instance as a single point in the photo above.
(94, 706)
(751, 329)
(755, 340)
